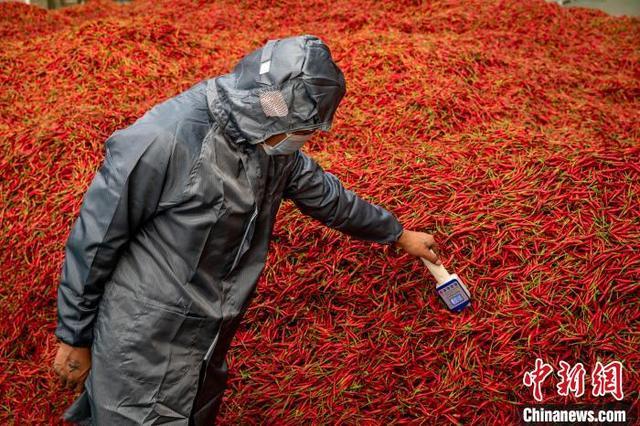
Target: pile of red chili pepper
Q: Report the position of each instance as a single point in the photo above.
(509, 129)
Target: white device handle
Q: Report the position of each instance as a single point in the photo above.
(439, 272)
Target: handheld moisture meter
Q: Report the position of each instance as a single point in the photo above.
(449, 287)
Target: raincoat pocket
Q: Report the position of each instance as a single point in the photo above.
(163, 346)
(246, 240)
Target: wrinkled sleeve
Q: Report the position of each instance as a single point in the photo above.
(124, 193)
(321, 195)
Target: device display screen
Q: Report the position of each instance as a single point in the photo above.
(456, 299)
(454, 294)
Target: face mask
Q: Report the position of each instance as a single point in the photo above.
(290, 144)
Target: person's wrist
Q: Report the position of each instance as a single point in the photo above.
(400, 240)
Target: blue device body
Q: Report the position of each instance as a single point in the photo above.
(454, 294)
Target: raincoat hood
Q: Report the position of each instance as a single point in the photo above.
(288, 84)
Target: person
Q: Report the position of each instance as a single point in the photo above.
(173, 232)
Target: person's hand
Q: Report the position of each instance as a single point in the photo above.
(420, 244)
(72, 365)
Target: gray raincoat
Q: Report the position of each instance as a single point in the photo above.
(173, 233)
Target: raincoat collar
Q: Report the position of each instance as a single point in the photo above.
(288, 84)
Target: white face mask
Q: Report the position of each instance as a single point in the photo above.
(290, 144)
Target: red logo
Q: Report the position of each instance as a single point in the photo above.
(605, 379)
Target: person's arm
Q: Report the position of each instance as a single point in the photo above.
(321, 195)
(123, 194)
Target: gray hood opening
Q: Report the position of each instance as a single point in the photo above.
(286, 85)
